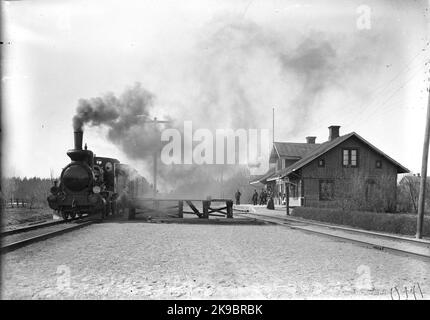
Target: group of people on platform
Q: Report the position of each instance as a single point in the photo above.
(264, 198)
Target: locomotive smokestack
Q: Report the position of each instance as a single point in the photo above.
(78, 139)
(77, 154)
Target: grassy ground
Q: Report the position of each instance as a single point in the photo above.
(12, 216)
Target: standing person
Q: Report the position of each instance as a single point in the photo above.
(237, 196)
(261, 197)
(255, 198)
(270, 202)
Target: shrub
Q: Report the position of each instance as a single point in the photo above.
(374, 221)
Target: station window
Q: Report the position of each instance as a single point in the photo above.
(321, 162)
(378, 164)
(326, 189)
(350, 157)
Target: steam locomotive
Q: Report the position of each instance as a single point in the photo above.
(96, 186)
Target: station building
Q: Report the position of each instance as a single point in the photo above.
(323, 174)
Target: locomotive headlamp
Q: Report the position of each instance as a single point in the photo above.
(108, 166)
(96, 189)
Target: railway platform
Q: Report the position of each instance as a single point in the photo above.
(378, 240)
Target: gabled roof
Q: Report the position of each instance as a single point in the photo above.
(263, 178)
(327, 146)
(294, 149)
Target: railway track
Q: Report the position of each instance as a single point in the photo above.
(34, 226)
(20, 237)
(384, 242)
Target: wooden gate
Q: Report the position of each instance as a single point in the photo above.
(207, 209)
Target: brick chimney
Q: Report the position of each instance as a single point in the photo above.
(333, 132)
(310, 140)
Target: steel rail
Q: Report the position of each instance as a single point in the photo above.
(21, 243)
(350, 229)
(285, 223)
(36, 226)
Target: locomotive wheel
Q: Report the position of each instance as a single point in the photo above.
(114, 208)
(79, 214)
(65, 215)
(102, 213)
(98, 214)
(119, 208)
(73, 215)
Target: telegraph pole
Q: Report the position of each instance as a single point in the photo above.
(421, 199)
(155, 121)
(155, 172)
(273, 126)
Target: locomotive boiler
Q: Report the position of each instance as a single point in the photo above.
(94, 185)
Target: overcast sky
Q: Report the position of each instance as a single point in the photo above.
(218, 63)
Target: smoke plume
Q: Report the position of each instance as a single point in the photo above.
(126, 117)
(244, 69)
(237, 71)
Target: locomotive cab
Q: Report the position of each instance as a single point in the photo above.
(105, 168)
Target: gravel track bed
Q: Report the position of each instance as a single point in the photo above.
(183, 261)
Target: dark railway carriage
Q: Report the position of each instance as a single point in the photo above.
(94, 185)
